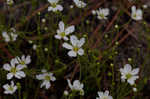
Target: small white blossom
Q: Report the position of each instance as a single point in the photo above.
(10, 36)
(104, 95)
(75, 48)
(79, 4)
(62, 32)
(135, 89)
(54, 6)
(14, 70)
(46, 77)
(129, 74)
(77, 86)
(136, 14)
(10, 89)
(34, 46)
(24, 61)
(102, 13)
(66, 93)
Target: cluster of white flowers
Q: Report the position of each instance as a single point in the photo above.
(11, 36)
(54, 6)
(77, 86)
(46, 77)
(102, 13)
(75, 47)
(129, 74)
(15, 68)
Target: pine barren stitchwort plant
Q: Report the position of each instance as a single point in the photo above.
(74, 49)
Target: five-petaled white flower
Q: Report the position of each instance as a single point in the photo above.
(104, 95)
(14, 70)
(62, 32)
(77, 86)
(54, 6)
(136, 14)
(24, 61)
(102, 13)
(10, 89)
(10, 36)
(79, 4)
(129, 74)
(75, 48)
(46, 77)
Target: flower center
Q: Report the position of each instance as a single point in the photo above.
(10, 88)
(101, 15)
(47, 78)
(13, 70)
(62, 34)
(128, 76)
(134, 15)
(76, 49)
(54, 5)
(104, 97)
(22, 63)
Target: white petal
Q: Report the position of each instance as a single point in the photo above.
(65, 38)
(74, 40)
(127, 67)
(69, 30)
(106, 93)
(81, 51)
(133, 8)
(19, 67)
(67, 46)
(50, 8)
(69, 84)
(58, 37)
(135, 71)
(28, 59)
(59, 7)
(81, 42)
(21, 73)
(131, 81)
(9, 75)
(7, 67)
(61, 25)
(47, 85)
(72, 53)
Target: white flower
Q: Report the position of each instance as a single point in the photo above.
(66, 93)
(135, 89)
(62, 32)
(14, 70)
(129, 74)
(24, 61)
(54, 6)
(46, 77)
(136, 14)
(9, 37)
(102, 13)
(104, 95)
(77, 86)
(10, 2)
(79, 4)
(75, 48)
(34, 46)
(10, 89)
